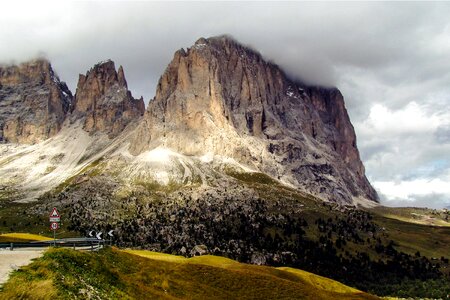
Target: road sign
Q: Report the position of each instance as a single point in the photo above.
(90, 233)
(99, 235)
(54, 226)
(54, 216)
(110, 233)
(54, 213)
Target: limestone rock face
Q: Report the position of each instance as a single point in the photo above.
(103, 100)
(33, 102)
(222, 98)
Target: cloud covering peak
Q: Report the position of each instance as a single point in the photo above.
(390, 60)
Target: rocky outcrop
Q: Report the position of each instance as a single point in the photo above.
(223, 98)
(103, 101)
(216, 99)
(33, 102)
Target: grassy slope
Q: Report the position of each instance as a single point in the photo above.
(422, 216)
(22, 237)
(429, 234)
(21, 217)
(319, 282)
(431, 241)
(415, 229)
(408, 236)
(116, 274)
(403, 224)
(15, 216)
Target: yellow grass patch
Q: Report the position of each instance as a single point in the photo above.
(214, 261)
(419, 219)
(17, 237)
(136, 274)
(320, 282)
(316, 282)
(157, 255)
(38, 290)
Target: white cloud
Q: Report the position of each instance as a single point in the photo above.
(391, 60)
(406, 153)
(433, 193)
(411, 119)
(407, 190)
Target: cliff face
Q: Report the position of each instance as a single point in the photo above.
(217, 98)
(220, 97)
(103, 100)
(33, 102)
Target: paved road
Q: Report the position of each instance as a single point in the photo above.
(12, 260)
(24, 252)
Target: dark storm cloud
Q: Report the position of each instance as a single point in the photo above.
(388, 57)
(311, 41)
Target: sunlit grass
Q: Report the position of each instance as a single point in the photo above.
(138, 274)
(158, 255)
(423, 216)
(320, 282)
(35, 281)
(308, 281)
(209, 260)
(22, 237)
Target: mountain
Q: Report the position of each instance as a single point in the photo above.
(74, 134)
(221, 98)
(103, 100)
(33, 102)
(218, 105)
(232, 158)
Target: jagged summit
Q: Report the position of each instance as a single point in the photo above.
(223, 98)
(103, 100)
(227, 41)
(33, 102)
(217, 101)
(107, 61)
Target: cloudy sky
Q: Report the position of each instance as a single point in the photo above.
(390, 60)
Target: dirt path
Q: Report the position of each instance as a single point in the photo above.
(12, 260)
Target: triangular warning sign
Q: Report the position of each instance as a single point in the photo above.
(54, 213)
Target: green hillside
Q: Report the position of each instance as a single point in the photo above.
(400, 252)
(417, 215)
(117, 274)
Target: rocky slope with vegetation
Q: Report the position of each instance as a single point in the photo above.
(256, 220)
(231, 158)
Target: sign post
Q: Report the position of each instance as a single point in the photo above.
(54, 219)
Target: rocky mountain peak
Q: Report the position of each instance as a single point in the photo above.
(103, 100)
(33, 102)
(121, 77)
(221, 97)
(38, 71)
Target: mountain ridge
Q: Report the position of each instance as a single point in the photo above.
(104, 101)
(221, 100)
(34, 102)
(219, 91)
(231, 158)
